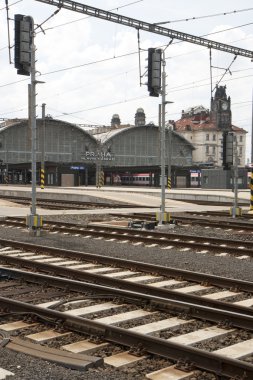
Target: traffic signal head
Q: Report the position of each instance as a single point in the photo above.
(154, 71)
(228, 150)
(22, 44)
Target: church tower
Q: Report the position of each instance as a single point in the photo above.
(221, 109)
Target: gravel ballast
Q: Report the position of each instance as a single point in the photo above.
(226, 266)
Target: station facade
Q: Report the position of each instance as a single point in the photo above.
(119, 154)
(126, 154)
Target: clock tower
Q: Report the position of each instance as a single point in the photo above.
(221, 109)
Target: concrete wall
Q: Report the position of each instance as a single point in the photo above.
(223, 179)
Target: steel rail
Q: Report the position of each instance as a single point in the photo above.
(245, 286)
(123, 234)
(218, 223)
(202, 359)
(193, 220)
(67, 203)
(223, 214)
(93, 225)
(148, 27)
(238, 315)
(173, 236)
(156, 233)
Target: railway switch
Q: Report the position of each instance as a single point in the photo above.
(142, 224)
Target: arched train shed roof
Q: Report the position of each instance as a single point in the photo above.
(105, 137)
(64, 142)
(139, 146)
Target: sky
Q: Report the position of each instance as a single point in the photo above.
(90, 67)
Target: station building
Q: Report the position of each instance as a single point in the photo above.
(77, 155)
(127, 154)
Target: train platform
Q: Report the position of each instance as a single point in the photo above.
(141, 199)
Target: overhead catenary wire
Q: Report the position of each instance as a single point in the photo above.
(115, 103)
(194, 18)
(173, 21)
(70, 68)
(87, 17)
(173, 89)
(10, 5)
(116, 57)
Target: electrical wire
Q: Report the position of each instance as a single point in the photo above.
(10, 5)
(207, 84)
(103, 106)
(173, 89)
(121, 102)
(205, 16)
(89, 63)
(87, 17)
(70, 68)
(111, 58)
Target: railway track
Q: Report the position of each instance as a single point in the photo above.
(211, 213)
(242, 249)
(56, 204)
(117, 272)
(201, 219)
(147, 323)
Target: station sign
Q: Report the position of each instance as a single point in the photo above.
(77, 167)
(97, 156)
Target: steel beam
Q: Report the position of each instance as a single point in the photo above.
(148, 27)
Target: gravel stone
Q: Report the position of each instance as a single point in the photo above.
(228, 266)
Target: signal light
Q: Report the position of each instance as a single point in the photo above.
(22, 44)
(228, 150)
(154, 71)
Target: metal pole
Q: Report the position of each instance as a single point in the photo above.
(34, 221)
(235, 180)
(251, 175)
(162, 135)
(98, 165)
(33, 123)
(42, 165)
(169, 156)
(6, 177)
(252, 133)
(7, 167)
(159, 137)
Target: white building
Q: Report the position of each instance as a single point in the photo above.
(204, 129)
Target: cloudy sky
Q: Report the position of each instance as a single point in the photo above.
(91, 67)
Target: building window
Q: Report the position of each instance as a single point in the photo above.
(207, 137)
(240, 150)
(214, 137)
(240, 138)
(207, 149)
(213, 149)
